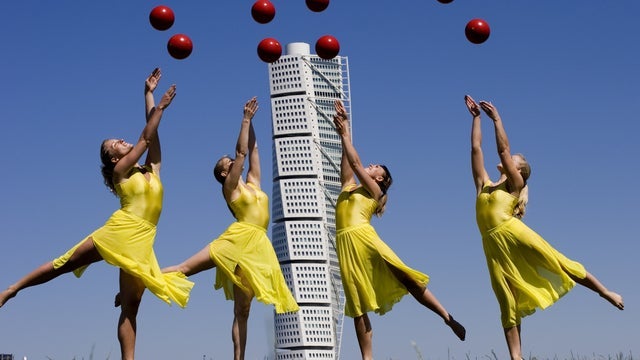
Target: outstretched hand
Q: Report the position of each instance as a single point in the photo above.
(151, 82)
(340, 119)
(167, 97)
(490, 110)
(473, 107)
(250, 108)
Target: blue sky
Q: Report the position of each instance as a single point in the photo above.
(564, 76)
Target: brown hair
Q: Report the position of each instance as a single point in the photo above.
(107, 167)
(385, 184)
(218, 168)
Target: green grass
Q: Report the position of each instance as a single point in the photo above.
(572, 356)
(468, 356)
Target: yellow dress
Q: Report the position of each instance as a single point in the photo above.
(126, 239)
(365, 260)
(520, 259)
(244, 256)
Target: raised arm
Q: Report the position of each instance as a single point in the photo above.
(478, 169)
(351, 156)
(154, 154)
(128, 161)
(242, 150)
(341, 122)
(253, 173)
(514, 179)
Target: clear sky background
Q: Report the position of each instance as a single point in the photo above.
(564, 75)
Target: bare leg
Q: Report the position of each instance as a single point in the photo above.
(200, 261)
(241, 308)
(85, 254)
(364, 333)
(131, 290)
(591, 282)
(427, 299)
(514, 343)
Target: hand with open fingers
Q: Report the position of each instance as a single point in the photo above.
(250, 108)
(340, 110)
(167, 97)
(152, 81)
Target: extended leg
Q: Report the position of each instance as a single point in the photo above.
(200, 261)
(594, 284)
(427, 299)
(85, 254)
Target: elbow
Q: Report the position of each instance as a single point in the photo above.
(241, 151)
(504, 151)
(355, 164)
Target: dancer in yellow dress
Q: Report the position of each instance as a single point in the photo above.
(526, 272)
(373, 276)
(126, 239)
(246, 263)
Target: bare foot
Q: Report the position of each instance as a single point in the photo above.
(6, 295)
(117, 302)
(614, 298)
(457, 328)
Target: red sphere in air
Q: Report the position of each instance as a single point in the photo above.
(477, 31)
(317, 5)
(180, 46)
(263, 11)
(327, 47)
(269, 50)
(161, 17)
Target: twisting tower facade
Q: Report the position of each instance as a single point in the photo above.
(306, 183)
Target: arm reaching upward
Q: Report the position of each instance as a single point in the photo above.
(514, 179)
(150, 85)
(253, 173)
(351, 156)
(478, 169)
(154, 154)
(129, 160)
(341, 122)
(242, 150)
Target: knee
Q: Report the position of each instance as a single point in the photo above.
(416, 290)
(131, 302)
(241, 310)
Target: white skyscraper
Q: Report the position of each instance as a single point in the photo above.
(306, 184)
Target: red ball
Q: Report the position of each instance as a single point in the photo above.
(477, 31)
(317, 5)
(269, 50)
(327, 47)
(263, 11)
(161, 17)
(180, 46)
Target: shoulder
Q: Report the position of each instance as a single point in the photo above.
(253, 186)
(350, 187)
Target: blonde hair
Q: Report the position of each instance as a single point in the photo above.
(521, 206)
(523, 198)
